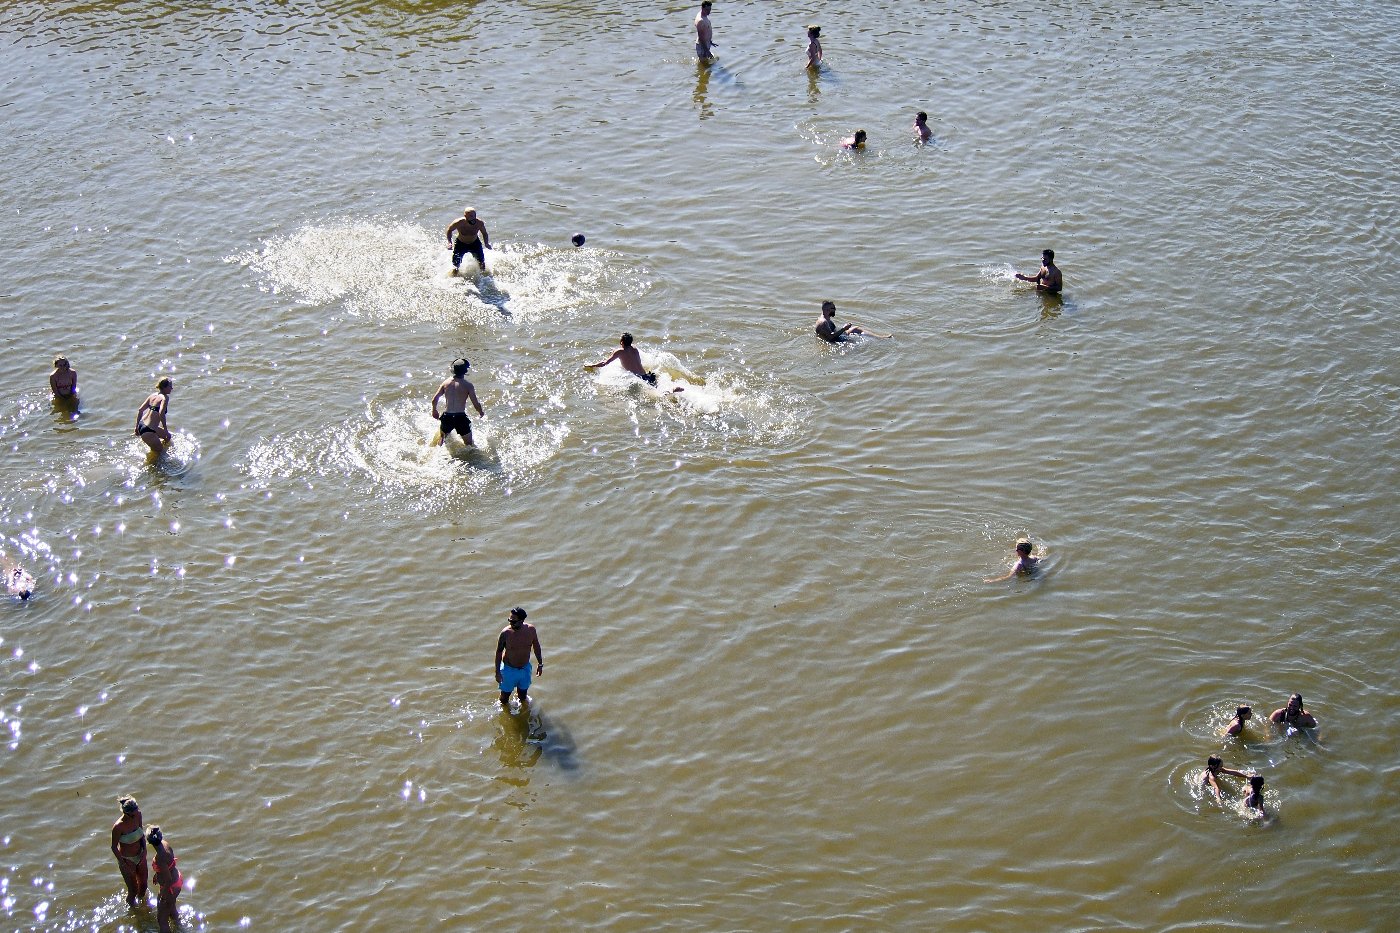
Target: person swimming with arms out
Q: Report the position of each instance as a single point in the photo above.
(630, 359)
(1236, 728)
(1214, 769)
(827, 330)
(150, 417)
(167, 877)
(63, 381)
(454, 393)
(1025, 564)
(1293, 714)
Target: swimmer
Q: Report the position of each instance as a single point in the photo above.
(19, 582)
(629, 359)
(513, 649)
(1048, 279)
(814, 47)
(1236, 727)
(63, 381)
(921, 131)
(454, 393)
(129, 846)
(854, 142)
(465, 235)
(704, 34)
(577, 239)
(1214, 769)
(1255, 800)
(150, 417)
(827, 330)
(167, 877)
(1294, 715)
(1025, 563)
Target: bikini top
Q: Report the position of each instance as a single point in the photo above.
(127, 839)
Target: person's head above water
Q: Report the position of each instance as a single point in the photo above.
(155, 836)
(578, 239)
(626, 340)
(1256, 782)
(1243, 712)
(1214, 764)
(165, 385)
(814, 31)
(460, 367)
(705, 6)
(828, 309)
(920, 117)
(469, 213)
(517, 617)
(129, 804)
(859, 137)
(60, 362)
(1023, 547)
(1295, 703)
(1048, 255)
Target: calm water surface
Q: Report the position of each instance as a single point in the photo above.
(777, 692)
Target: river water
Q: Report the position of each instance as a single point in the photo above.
(778, 693)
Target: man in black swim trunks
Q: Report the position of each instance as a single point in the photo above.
(629, 359)
(456, 392)
(465, 235)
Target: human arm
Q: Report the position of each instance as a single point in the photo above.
(452, 228)
(1032, 278)
(500, 649)
(1006, 576)
(442, 390)
(539, 658)
(615, 355)
(1233, 773)
(471, 395)
(140, 412)
(481, 232)
(1209, 781)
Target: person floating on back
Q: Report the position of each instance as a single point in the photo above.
(921, 131)
(1048, 279)
(704, 34)
(855, 141)
(150, 417)
(1214, 769)
(814, 47)
(465, 235)
(454, 393)
(513, 649)
(1293, 714)
(1236, 728)
(629, 359)
(827, 330)
(1025, 564)
(63, 381)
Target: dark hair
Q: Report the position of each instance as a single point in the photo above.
(578, 239)
(460, 367)
(517, 611)
(1048, 254)
(155, 836)
(1298, 697)
(1256, 781)
(1024, 543)
(165, 384)
(1243, 712)
(626, 340)
(1213, 762)
(705, 4)
(922, 116)
(860, 136)
(814, 30)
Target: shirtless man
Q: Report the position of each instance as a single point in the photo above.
(629, 359)
(921, 131)
(827, 330)
(454, 393)
(704, 33)
(513, 649)
(1025, 563)
(1048, 279)
(150, 417)
(63, 380)
(1294, 715)
(465, 235)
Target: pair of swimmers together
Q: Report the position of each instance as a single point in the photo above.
(129, 840)
(1291, 714)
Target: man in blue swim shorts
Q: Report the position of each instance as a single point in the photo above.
(513, 658)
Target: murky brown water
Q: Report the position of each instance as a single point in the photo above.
(777, 692)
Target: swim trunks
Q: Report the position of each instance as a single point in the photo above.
(460, 249)
(456, 421)
(648, 378)
(514, 677)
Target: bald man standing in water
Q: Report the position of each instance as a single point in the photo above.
(465, 235)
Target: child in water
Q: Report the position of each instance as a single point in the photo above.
(1255, 800)
(1025, 564)
(1236, 728)
(1214, 768)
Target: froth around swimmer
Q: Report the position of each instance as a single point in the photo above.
(1215, 768)
(467, 234)
(454, 394)
(630, 359)
(1024, 565)
(150, 417)
(1049, 279)
(854, 141)
(1236, 727)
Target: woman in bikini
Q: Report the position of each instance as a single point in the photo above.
(129, 846)
(63, 381)
(150, 417)
(167, 876)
